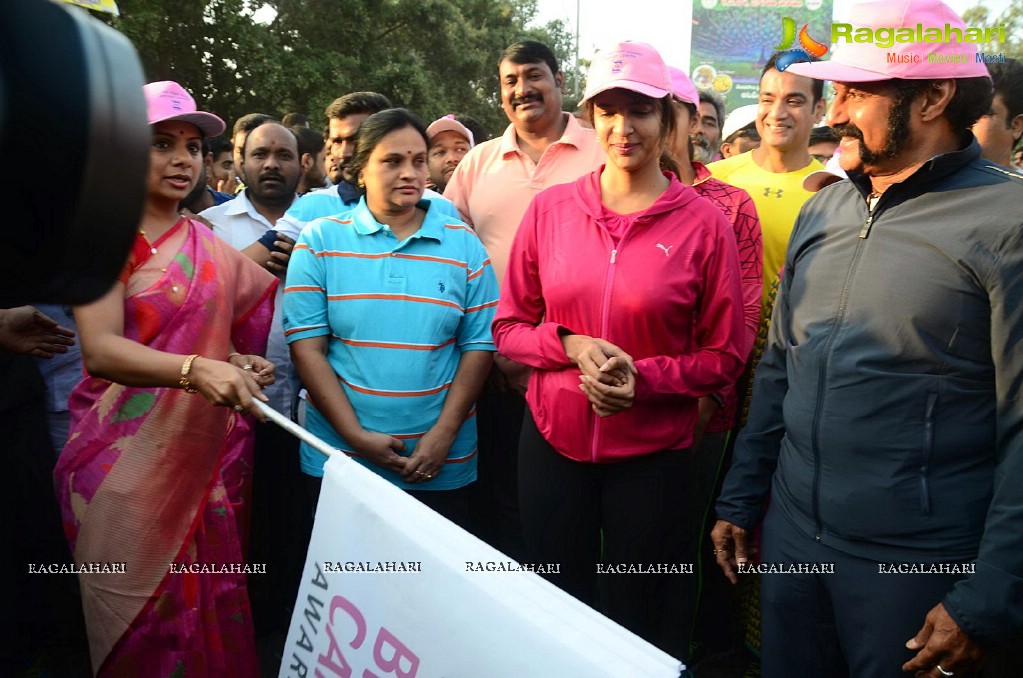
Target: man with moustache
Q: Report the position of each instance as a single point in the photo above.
(788, 107)
(492, 187)
(241, 129)
(707, 139)
(344, 117)
(886, 420)
(450, 140)
(271, 170)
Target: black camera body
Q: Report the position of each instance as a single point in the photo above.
(74, 152)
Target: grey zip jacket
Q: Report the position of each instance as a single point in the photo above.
(886, 419)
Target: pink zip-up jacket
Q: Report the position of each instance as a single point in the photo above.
(668, 294)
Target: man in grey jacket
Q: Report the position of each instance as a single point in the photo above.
(886, 420)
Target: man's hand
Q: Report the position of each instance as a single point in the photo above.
(229, 185)
(731, 548)
(261, 368)
(29, 331)
(941, 641)
(278, 263)
(185, 212)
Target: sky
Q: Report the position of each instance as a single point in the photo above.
(658, 22)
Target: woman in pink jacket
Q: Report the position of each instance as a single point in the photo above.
(623, 293)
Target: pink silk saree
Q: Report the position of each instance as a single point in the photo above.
(156, 478)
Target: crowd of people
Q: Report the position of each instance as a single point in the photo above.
(649, 332)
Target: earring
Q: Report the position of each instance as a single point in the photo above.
(362, 184)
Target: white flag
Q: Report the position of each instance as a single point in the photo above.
(391, 588)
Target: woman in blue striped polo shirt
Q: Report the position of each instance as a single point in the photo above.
(387, 310)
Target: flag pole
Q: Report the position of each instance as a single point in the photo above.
(294, 429)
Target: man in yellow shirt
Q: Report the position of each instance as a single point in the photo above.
(788, 108)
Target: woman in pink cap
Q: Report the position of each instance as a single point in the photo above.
(623, 294)
(153, 476)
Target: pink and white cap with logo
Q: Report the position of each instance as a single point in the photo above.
(635, 66)
(448, 123)
(866, 62)
(682, 87)
(167, 100)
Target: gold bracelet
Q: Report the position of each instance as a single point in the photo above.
(186, 367)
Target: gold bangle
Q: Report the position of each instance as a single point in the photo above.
(186, 368)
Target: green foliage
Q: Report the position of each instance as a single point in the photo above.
(432, 56)
(1012, 18)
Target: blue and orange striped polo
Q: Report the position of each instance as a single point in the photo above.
(398, 316)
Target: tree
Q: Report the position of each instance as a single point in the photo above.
(432, 56)
(212, 47)
(1011, 18)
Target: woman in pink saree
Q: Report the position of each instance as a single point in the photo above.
(153, 475)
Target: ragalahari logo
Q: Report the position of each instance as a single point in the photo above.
(808, 47)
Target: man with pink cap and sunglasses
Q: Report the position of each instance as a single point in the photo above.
(886, 420)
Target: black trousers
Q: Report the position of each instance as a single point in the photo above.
(853, 622)
(494, 498)
(639, 509)
(41, 613)
(277, 510)
(717, 626)
(452, 504)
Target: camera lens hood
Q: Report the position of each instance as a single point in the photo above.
(74, 152)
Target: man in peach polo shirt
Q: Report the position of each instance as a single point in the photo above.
(492, 187)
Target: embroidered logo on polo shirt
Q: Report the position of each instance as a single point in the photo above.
(440, 286)
(667, 250)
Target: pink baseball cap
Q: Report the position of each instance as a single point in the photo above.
(867, 62)
(682, 87)
(167, 100)
(449, 124)
(635, 66)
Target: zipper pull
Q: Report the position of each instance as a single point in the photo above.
(614, 253)
(865, 231)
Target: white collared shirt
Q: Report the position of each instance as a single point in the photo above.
(237, 223)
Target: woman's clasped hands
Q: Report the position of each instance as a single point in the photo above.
(608, 374)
